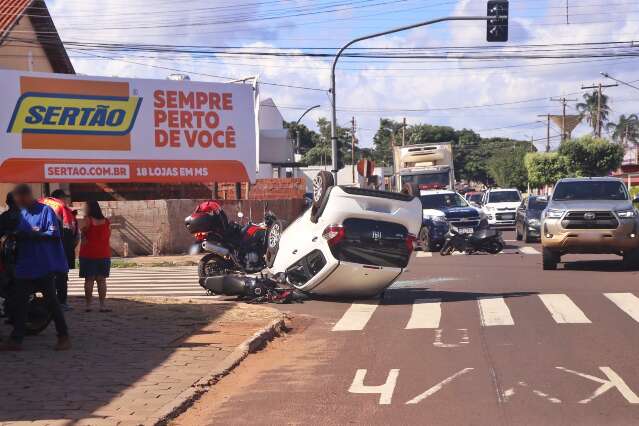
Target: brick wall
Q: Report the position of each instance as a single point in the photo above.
(145, 223)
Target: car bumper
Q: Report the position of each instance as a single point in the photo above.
(622, 239)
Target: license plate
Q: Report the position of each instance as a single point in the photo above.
(466, 230)
(508, 216)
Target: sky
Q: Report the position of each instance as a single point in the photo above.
(443, 91)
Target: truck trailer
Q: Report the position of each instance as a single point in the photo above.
(424, 166)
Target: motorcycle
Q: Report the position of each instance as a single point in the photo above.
(483, 240)
(39, 315)
(232, 248)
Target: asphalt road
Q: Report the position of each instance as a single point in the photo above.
(479, 340)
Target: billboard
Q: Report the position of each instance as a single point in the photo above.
(66, 128)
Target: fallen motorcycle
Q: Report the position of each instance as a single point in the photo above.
(258, 289)
(483, 240)
(231, 248)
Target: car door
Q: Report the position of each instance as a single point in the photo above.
(521, 216)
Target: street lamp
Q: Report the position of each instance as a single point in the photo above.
(606, 75)
(297, 131)
(334, 148)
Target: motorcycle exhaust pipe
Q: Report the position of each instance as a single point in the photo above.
(214, 248)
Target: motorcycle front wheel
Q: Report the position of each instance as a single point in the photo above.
(447, 249)
(494, 247)
(39, 316)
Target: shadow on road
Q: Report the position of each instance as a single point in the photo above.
(598, 266)
(406, 296)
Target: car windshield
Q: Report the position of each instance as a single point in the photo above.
(442, 201)
(590, 190)
(504, 197)
(475, 198)
(537, 204)
(433, 179)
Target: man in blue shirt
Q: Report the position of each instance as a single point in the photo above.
(40, 256)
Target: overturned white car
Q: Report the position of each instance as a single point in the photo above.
(352, 242)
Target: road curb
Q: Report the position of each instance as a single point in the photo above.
(184, 400)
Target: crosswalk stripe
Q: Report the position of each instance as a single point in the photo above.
(563, 309)
(627, 302)
(424, 254)
(494, 311)
(426, 314)
(357, 316)
(529, 250)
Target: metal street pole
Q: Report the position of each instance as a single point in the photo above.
(297, 131)
(334, 147)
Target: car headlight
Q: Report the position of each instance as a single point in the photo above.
(554, 213)
(533, 222)
(435, 218)
(624, 214)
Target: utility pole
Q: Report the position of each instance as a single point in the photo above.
(353, 148)
(563, 101)
(599, 88)
(404, 132)
(547, 130)
(567, 12)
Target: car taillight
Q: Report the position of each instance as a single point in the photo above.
(333, 234)
(410, 242)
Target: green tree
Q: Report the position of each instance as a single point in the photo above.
(588, 156)
(321, 152)
(625, 130)
(545, 168)
(589, 107)
(507, 169)
(388, 134)
(307, 137)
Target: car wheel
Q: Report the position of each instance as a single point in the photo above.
(631, 260)
(410, 189)
(424, 239)
(273, 237)
(518, 235)
(321, 183)
(549, 259)
(527, 238)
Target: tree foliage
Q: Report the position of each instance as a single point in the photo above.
(589, 108)
(545, 168)
(625, 130)
(507, 169)
(588, 156)
(321, 152)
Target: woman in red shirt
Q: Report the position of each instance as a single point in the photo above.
(95, 253)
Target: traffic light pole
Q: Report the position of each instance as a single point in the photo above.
(334, 146)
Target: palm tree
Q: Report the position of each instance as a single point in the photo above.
(590, 107)
(625, 130)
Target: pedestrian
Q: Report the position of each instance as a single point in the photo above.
(70, 232)
(39, 257)
(95, 253)
(9, 220)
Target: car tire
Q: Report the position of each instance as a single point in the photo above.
(410, 189)
(550, 259)
(273, 237)
(631, 260)
(321, 183)
(518, 236)
(424, 239)
(527, 238)
(316, 212)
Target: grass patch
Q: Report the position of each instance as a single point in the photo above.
(117, 263)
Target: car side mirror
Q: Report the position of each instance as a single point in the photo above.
(636, 200)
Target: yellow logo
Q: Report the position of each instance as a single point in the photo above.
(74, 114)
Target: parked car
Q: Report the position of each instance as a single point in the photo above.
(353, 242)
(500, 206)
(441, 209)
(528, 225)
(474, 197)
(590, 215)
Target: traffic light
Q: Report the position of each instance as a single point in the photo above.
(497, 29)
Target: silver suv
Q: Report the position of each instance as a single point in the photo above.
(590, 215)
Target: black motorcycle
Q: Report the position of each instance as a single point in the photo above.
(483, 240)
(39, 315)
(231, 247)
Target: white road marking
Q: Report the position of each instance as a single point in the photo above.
(494, 311)
(356, 317)
(464, 340)
(563, 309)
(627, 302)
(385, 391)
(528, 250)
(426, 314)
(509, 393)
(613, 381)
(424, 254)
(438, 386)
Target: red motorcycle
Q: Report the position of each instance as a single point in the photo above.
(230, 246)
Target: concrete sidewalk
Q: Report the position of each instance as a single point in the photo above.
(132, 366)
